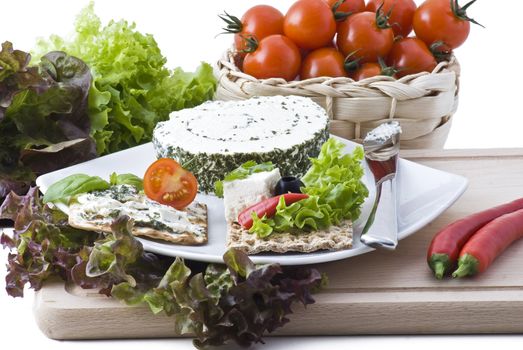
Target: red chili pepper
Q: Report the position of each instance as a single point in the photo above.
(447, 243)
(488, 243)
(267, 207)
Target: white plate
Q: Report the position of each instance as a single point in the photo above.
(423, 194)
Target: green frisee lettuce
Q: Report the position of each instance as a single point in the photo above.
(336, 193)
(132, 89)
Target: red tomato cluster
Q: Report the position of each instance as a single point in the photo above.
(348, 38)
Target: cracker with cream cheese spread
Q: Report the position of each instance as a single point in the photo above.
(96, 211)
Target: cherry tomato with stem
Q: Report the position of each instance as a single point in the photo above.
(342, 9)
(259, 21)
(276, 56)
(324, 62)
(166, 182)
(310, 24)
(401, 14)
(366, 35)
(372, 69)
(411, 56)
(444, 22)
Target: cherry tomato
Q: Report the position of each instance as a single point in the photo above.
(310, 24)
(442, 21)
(345, 9)
(366, 36)
(259, 21)
(166, 182)
(324, 62)
(305, 52)
(401, 14)
(411, 56)
(372, 69)
(275, 57)
(348, 6)
(366, 70)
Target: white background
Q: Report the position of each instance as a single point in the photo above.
(489, 115)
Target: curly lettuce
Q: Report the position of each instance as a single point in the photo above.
(335, 178)
(44, 121)
(238, 301)
(336, 193)
(132, 89)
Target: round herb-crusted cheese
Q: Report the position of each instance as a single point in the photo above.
(216, 137)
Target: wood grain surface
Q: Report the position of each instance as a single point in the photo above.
(380, 292)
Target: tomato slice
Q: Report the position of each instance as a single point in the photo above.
(166, 182)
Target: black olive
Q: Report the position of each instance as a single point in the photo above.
(289, 184)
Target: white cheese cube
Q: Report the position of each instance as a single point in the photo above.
(241, 194)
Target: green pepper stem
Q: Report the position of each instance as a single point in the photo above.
(440, 264)
(439, 269)
(467, 266)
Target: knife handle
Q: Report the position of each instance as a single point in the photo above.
(381, 229)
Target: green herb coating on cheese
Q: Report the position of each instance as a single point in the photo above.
(215, 138)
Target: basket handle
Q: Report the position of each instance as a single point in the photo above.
(329, 106)
(392, 111)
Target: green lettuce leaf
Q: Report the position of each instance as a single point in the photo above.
(242, 172)
(307, 214)
(111, 256)
(336, 193)
(336, 179)
(132, 88)
(262, 226)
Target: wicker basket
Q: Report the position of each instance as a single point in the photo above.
(423, 103)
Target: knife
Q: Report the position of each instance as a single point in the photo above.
(381, 147)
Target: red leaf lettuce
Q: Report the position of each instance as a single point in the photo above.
(44, 123)
(238, 301)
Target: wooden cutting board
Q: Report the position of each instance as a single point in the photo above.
(377, 293)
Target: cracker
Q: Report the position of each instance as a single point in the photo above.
(183, 238)
(334, 238)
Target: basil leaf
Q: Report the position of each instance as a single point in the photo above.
(72, 185)
(126, 179)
